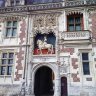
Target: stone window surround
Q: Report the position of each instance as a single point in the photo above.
(89, 51)
(7, 59)
(74, 23)
(12, 27)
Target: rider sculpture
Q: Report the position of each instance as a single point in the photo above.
(44, 45)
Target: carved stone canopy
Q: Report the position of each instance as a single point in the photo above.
(45, 23)
(45, 31)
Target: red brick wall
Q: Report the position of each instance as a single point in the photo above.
(75, 77)
(70, 50)
(75, 66)
(20, 54)
(92, 23)
(74, 60)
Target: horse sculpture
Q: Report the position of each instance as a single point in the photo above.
(43, 45)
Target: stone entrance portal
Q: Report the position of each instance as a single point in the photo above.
(43, 85)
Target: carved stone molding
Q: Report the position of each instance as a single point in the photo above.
(72, 11)
(11, 18)
(92, 10)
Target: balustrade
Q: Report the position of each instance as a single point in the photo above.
(75, 35)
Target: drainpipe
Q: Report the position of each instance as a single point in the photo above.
(26, 53)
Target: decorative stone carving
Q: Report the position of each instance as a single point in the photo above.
(91, 10)
(45, 23)
(75, 11)
(38, 22)
(50, 20)
(22, 92)
(11, 18)
(64, 64)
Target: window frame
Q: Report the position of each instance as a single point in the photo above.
(89, 51)
(7, 65)
(11, 27)
(13, 3)
(74, 16)
(86, 61)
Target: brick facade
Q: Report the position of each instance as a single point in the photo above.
(92, 24)
(74, 61)
(20, 54)
(70, 50)
(75, 77)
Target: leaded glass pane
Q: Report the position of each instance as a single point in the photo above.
(10, 61)
(11, 55)
(8, 32)
(4, 61)
(15, 23)
(4, 55)
(9, 24)
(77, 20)
(14, 32)
(9, 70)
(86, 69)
(71, 20)
(3, 70)
(78, 27)
(71, 28)
(85, 56)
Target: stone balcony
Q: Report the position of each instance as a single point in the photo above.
(71, 38)
(80, 35)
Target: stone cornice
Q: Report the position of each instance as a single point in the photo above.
(48, 6)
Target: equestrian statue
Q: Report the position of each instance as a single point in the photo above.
(44, 45)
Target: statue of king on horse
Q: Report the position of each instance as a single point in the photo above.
(44, 45)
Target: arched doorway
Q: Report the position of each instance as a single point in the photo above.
(43, 85)
(64, 86)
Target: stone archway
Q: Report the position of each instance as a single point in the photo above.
(43, 84)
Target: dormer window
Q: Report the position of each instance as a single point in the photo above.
(14, 2)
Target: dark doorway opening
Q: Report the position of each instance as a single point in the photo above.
(44, 82)
(64, 86)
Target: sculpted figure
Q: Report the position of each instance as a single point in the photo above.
(44, 45)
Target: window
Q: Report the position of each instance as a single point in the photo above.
(85, 62)
(14, 2)
(2, 3)
(75, 22)
(6, 64)
(11, 28)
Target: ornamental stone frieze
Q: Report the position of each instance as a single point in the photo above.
(11, 17)
(91, 10)
(45, 23)
(45, 59)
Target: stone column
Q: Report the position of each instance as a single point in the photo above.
(30, 65)
(57, 84)
(29, 86)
